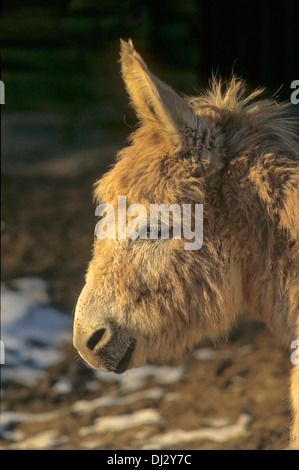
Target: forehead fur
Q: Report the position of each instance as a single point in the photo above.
(139, 169)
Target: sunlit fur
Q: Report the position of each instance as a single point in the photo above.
(237, 155)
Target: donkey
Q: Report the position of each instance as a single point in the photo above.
(238, 156)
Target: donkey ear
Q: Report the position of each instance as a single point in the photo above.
(154, 102)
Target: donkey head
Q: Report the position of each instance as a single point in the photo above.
(152, 299)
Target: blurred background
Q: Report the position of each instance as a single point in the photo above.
(65, 116)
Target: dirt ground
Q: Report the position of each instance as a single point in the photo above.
(48, 225)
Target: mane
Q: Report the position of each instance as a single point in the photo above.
(249, 122)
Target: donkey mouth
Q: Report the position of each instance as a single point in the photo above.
(122, 365)
(124, 362)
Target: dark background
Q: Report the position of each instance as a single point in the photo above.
(60, 62)
(54, 53)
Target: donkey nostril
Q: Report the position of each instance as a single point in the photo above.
(95, 338)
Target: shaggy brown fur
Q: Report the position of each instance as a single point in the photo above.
(239, 157)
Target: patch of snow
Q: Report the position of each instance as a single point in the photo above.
(63, 386)
(209, 354)
(11, 418)
(32, 331)
(136, 378)
(122, 422)
(84, 406)
(216, 434)
(44, 440)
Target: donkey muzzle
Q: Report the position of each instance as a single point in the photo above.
(107, 347)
